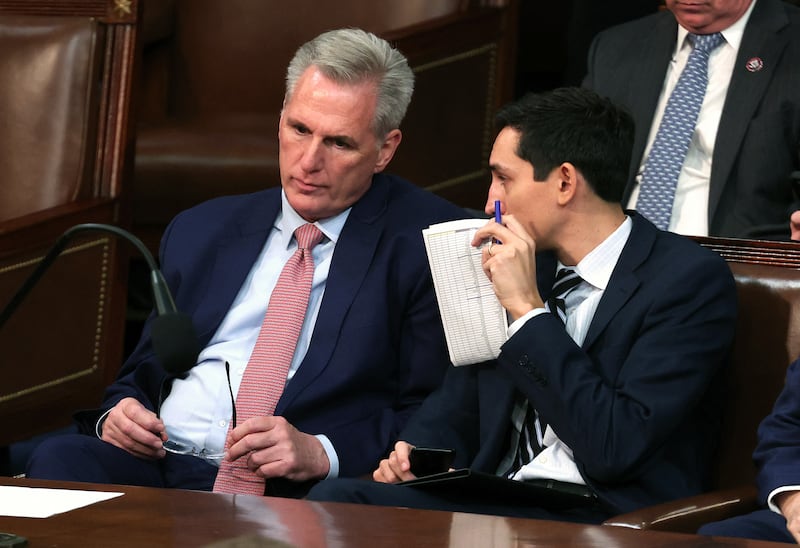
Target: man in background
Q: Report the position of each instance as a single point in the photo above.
(716, 162)
(609, 380)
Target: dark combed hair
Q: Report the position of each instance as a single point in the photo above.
(578, 126)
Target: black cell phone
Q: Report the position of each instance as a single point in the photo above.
(11, 540)
(427, 460)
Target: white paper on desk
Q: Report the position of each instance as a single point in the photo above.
(475, 324)
(38, 502)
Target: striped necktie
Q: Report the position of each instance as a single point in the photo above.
(532, 427)
(566, 280)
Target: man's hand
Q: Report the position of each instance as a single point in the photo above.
(136, 429)
(511, 267)
(397, 467)
(794, 225)
(789, 503)
(276, 449)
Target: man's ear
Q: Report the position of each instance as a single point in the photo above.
(567, 182)
(387, 149)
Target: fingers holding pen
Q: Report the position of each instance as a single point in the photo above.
(495, 233)
(510, 265)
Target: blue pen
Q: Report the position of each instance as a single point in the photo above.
(498, 218)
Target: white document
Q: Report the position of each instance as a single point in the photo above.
(475, 324)
(37, 502)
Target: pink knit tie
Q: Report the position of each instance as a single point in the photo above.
(266, 372)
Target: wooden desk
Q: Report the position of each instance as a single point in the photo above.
(162, 517)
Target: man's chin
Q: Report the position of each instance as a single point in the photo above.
(307, 206)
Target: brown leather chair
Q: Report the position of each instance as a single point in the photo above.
(767, 340)
(213, 85)
(65, 155)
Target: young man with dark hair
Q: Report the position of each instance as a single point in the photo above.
(609, 384)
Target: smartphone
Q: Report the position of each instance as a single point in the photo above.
(12, 540)
(426, 460)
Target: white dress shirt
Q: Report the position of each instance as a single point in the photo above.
(690, 208)
(198, 409)
(555, 461)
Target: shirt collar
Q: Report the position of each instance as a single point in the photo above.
(596, 267)
(732, 35)
(289, 220)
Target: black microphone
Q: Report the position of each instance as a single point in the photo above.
(174, 339)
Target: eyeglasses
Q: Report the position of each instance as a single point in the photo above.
(183, 449)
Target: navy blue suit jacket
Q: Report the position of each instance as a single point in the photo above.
(377, 348)
(777, 454)
(758, 140)
(638, 403)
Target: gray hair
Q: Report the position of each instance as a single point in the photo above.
(353, 56)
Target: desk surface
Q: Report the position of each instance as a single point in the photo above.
(168, 517)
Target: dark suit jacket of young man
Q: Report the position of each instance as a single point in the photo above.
(758, 141)
(377, 348)
(638, 403)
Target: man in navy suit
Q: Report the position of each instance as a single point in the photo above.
(371, 346)
(734, 181)
(777, 456)
(626, 392)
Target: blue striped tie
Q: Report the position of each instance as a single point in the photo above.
(674, 134)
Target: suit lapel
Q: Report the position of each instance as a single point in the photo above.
(624, 280)
(233, 260)
(765, 38)
(351, 262)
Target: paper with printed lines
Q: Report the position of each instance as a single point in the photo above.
(475, 324)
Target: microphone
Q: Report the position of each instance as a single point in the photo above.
(174, 339)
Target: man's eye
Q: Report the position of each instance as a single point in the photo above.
(340, 143)
(303, 130)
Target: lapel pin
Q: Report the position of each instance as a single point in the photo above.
(754, 64)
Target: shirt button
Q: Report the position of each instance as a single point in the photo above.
(223, 423)
(543, 460)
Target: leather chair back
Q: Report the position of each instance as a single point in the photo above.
(50, 72)
(255, 40)
(66, 149)
(767, 340)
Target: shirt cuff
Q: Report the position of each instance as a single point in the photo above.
(776, 492)
(519, 322)
(333, 458)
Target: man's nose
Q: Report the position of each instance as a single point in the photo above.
(493, 195)
(312, 156)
